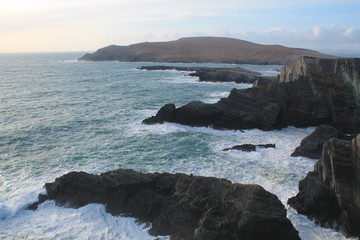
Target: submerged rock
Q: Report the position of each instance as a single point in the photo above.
(179, 205)
(249, 147)
(310, 92)
(331, 193)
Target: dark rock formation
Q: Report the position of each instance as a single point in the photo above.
(312, 145)
(310, 92)
(207, 74)
(331, 193)
(238, 75)
(201, 49)
(249, 147)
(183, 206)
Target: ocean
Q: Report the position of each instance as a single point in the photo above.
(59, 115)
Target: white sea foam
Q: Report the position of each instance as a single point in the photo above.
(88, 222)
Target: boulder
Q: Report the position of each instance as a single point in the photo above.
(331, 193)
(310, 92)
(182, 206)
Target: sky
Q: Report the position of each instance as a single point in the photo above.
(85, 25)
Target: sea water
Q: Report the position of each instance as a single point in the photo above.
(59, 115)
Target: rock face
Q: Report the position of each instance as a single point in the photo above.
(183, 206)
(310, 92)
(312, 145)
(206, 74)
(201, 49)
(331, 193)
(249, 147)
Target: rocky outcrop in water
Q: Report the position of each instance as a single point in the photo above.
(183, 206)
(207, 74)
(312, 145)
(201, 49)
(249, 147)
(310, 92)
(331, 193)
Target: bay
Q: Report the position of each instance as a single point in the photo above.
(59, 115)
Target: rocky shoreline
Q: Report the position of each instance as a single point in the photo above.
(309, 92)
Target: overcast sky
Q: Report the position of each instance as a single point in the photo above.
(86, 25)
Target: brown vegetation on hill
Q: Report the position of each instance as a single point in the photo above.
(202, 49)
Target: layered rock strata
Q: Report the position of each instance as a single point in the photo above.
(331, 193)
(179, 205)
(310, 92)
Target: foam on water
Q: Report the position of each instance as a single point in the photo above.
(88, 222)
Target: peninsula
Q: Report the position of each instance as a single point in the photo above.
(202, 49)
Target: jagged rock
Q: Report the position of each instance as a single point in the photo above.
(249, 147)
(310, 92)
(312, 145)
(201, 49)
(183, 206)
(331, 193)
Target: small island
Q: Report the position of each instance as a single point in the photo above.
(202, 50)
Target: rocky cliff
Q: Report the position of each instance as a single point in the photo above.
(183, 206)
(331, 193)
(310, 92)
(201, 49)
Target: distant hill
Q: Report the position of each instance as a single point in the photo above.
(202, 49)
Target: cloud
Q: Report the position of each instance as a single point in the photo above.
(319, 37)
